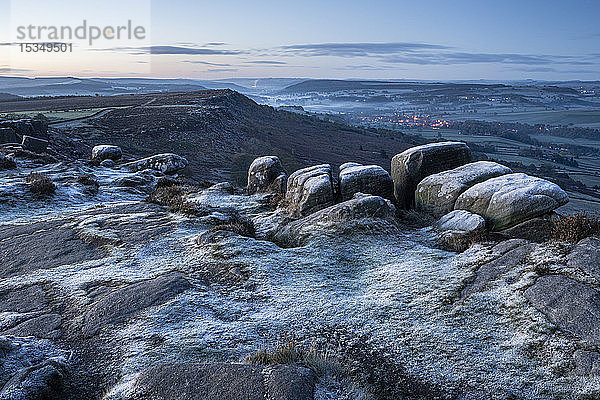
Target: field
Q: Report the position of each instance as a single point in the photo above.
(580, 118)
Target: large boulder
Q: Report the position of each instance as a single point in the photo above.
(458, 228)
(8, 135)
(224, 382)
(411, 166)
(309, 190)
(437, 193)
(106, 152)
(571, 305)
(508, 200)
(167, 163)
(368, 179)
(367, 209)
(266, 175)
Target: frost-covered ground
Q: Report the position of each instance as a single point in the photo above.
(397, 289)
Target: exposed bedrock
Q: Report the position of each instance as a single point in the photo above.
(224, 382)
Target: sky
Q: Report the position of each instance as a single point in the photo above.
(376, 39)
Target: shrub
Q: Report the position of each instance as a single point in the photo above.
(572, 228)
(40, 183)
(7, 162)
(241, 225)
(171, 194)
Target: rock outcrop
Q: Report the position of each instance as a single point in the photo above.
(124, 303)
(586, 257)
(266, 175)
(367, 179)
(437, 193)
(457, 228)
(224, 382)
(34, 144)
(413, 165)
(508, 200)
(362, 207)
(106, 152)
(167, 163)
(571, 305)
(309, 190)
(6, 162)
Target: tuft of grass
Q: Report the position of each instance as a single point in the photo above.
(172, 194)
(289, 351)
(241, 225)
(40, 184)
(575, 227)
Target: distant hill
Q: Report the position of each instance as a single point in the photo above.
(8, 97)
(221, 132)
(332, 85)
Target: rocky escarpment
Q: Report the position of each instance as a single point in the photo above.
(119, 298)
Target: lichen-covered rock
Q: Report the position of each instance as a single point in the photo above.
(571, 305)
(224, 382)
(349, 165)
(508, 200)
(106, 152)
(266, 175)
(362, 207)
(458, 228)
(167, 163)
(367, 179)
(411, 166)
(437, 193)
(309, 190)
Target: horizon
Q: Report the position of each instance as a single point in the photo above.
(428, 41)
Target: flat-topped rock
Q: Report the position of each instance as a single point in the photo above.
(224, 382)
(510, 199)
(413, 165)
(267, 175)
(367, 179)
(7, 162)
(437, 193)
(167, 163)
(309, 190)
(571, 305)
(106, 152)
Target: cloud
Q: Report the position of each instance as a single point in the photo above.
(171, 50)
(267, 62)
(206, 63)
(188, 50)
(223, 69)
(369, 68)
(215, 44)
(358, 49)
(427, 54)
(8, 69)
